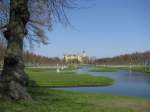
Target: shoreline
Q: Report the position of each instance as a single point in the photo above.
(51, 87)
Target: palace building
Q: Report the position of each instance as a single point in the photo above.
(76, 58)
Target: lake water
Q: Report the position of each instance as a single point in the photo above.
(127, 83)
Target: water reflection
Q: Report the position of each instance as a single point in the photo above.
(127, 83)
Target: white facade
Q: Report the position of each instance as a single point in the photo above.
(75, 58)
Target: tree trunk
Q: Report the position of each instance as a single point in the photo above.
(14, 79)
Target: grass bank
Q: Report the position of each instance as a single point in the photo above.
(45, 100)
(114, 69)
(141, 69)
(50, 78)
(103, 69)
(136, 68)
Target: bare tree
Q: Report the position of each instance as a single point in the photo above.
(19, 20)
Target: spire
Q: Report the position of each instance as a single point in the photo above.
(83, 53)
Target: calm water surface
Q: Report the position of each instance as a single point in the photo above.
(126, 83)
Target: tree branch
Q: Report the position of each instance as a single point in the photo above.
(3, 28)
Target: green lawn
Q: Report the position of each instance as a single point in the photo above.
(114, 69)
(50, 78)
(141, 69)
(136, 69)
(45, 100)
(103, 69)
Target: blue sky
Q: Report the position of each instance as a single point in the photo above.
(103, 28)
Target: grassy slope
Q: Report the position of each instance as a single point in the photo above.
(60, 101)
(46, 77)
(113, 69)
(141, 69)
(103, 69)
(136, 69)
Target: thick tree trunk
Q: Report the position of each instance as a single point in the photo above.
(14, 80)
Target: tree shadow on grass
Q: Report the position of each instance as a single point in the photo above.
(45, 94)
(38, 92)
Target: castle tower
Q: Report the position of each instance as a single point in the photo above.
(84, 53)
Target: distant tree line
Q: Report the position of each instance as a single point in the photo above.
(133, 59)
(32, 59)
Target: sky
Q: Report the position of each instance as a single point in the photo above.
(102, 28)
